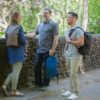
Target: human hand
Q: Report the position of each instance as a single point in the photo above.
(68, 40)
(51, 52)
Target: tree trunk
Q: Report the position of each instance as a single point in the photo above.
(85, 15)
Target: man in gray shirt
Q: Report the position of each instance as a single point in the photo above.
(48, 40)
(73, 58)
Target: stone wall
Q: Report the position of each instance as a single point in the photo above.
(27, 75)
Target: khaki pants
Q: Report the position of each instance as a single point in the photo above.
(14, 75)
(73, 63)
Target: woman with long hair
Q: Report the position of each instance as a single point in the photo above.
(15, 57)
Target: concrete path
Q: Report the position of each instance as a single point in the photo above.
(89, 89)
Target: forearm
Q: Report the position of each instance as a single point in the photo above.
(78, 42)
(75, 42)
(55, 43)
(31, 34)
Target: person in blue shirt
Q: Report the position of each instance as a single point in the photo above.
(48, 40)
(16, 58)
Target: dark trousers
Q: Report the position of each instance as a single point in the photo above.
(40, 78)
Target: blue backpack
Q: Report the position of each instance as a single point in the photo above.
(51, 67)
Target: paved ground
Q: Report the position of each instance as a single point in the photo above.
(89, 89)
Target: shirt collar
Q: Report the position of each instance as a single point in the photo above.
(74, 26)
(45, 22)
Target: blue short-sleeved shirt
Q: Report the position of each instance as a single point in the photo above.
(46, 32)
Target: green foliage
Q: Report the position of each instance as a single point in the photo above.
(29, 12)
(94, 16)
(61, 8)
(32, 12)
(1, 33)
(29, 20)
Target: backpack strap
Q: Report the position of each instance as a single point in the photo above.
(80, 28)
(72, 30)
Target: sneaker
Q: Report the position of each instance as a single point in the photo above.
(67, 93)
(72, 97)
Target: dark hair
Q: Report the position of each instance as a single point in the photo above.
(74, 14)
(49, 10)
(13, 16)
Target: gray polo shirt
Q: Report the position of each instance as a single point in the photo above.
(46, 32)
(72, 50)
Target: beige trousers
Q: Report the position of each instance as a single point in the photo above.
(73, 64)
(14, 75)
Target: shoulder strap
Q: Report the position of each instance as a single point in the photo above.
(80, 28)
(72, 30)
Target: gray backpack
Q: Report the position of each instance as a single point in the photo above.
(12, 36)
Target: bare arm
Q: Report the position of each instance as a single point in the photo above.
(55, 42)
(79, 42)
(33, 34)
